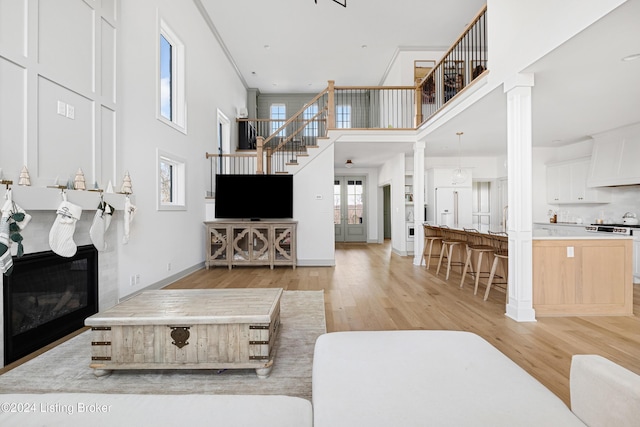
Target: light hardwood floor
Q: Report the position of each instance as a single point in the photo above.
(370, 288)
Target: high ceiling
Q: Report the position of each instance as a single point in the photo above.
(582, 88)
(293, 46)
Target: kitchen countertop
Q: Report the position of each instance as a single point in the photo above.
(552, 231)
(557, 233)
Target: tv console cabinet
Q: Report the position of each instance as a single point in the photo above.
(233, 242)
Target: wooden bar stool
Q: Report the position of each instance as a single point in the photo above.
(500, 254)
(431, 234)
(478, 244)
(450, 241)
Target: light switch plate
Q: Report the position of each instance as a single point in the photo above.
(62, 108)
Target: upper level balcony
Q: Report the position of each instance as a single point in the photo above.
(272, 145)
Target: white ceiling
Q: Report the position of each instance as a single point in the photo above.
(582, 88)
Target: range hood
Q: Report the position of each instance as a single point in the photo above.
(615, 159)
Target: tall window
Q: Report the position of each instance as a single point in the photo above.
(343, 116)
(166, 83)
(312, 128)
(171, 75)
(278, 115)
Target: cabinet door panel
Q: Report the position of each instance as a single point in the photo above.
(597, 282)
(554, 276)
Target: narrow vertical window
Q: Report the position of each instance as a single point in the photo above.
(172, 107)
(167, 187)
(165, 79)
(312, 127)
(343, 116)
(278, 115)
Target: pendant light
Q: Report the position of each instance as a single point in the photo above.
(459, 175)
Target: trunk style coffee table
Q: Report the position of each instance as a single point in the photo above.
(188, 329)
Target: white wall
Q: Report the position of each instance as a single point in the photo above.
(512, 23)
(48, 54)
(313, 209)
(160, 238)
(401, 71)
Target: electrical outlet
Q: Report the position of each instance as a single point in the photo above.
(71, 112)
(168, 266)
(137, 279)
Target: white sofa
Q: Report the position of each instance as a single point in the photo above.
(386, 378)
(450, 378)
(109, 410)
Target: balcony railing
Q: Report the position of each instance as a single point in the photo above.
(464, 62)
(279, 144)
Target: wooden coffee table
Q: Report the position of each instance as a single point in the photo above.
(188, 329)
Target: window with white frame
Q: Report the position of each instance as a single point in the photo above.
(278, 115)
(343, 116)
(312, 127)
(171, 78)
(171, 182)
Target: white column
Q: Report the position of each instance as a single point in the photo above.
(520, 190)
(418, 200)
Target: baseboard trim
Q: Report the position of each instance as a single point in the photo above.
(316, 263)
(166, 281)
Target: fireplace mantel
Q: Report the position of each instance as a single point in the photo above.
(45, 199)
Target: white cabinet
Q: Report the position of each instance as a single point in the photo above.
(614, 160)
(567, 183)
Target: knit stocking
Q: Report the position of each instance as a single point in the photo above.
(101, 222)
(61, 234)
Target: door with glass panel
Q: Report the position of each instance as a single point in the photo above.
(349, 208)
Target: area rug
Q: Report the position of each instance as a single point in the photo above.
(65, 368)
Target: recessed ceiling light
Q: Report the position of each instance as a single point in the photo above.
(266, 46)
(253, 73)
(631, 57)
(364, 46)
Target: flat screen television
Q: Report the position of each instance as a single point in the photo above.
(254, 197)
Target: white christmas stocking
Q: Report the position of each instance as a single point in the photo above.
(129, 212)
(101, 222)
(61, 234)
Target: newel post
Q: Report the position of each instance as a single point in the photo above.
(331, 104)
(259, 155)
(418, 103)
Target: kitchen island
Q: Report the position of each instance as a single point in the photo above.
(577, 273)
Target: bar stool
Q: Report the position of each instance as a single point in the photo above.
(477, 244)
(500, 254)
(450, 240)
(431, 234)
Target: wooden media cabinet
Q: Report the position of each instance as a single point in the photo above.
(232, 242)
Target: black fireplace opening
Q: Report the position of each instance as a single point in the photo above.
(46, 298)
